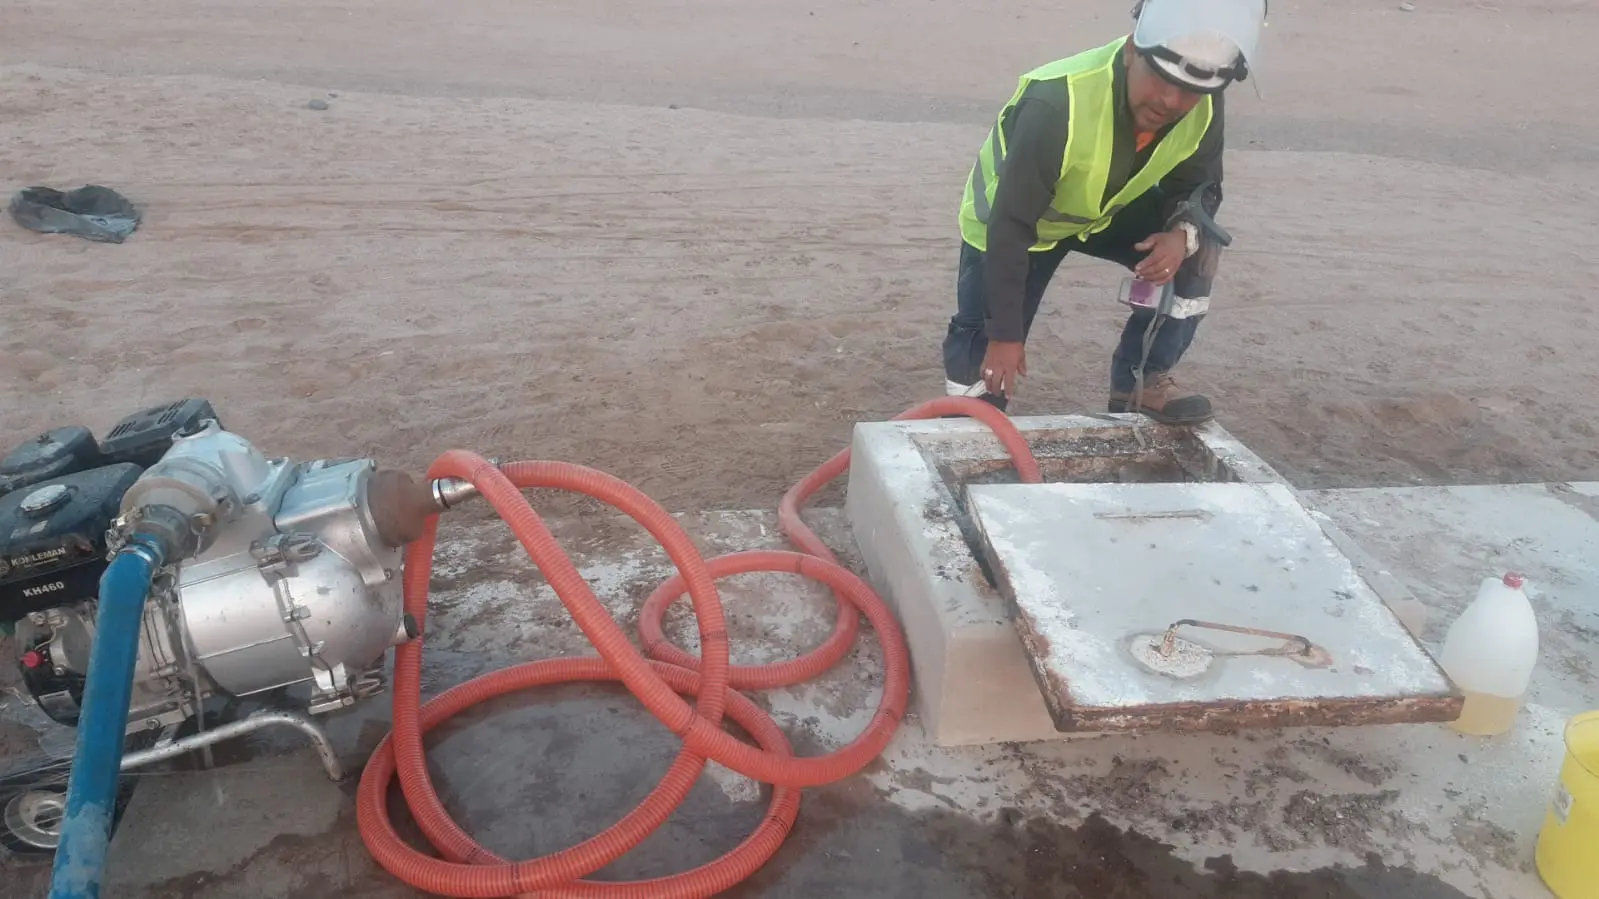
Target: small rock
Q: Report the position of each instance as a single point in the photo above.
(1407, 6)
(318, 104)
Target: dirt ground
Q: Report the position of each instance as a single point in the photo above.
(691, 243)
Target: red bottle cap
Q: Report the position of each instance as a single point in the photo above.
(1514, 580)
(31, 659)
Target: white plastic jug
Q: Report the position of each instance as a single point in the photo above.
(1490, 652)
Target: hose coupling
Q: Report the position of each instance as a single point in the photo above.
(451, 492)
(401, 505)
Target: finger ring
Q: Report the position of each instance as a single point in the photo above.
(988, 372)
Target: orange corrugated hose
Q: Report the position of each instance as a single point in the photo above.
(469, 870)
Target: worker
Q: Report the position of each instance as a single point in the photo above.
(1116, 153)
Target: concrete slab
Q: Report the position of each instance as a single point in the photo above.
(1342, 813)
(906, 506)
(1123, 594)
(246, 802)
(1439, 543)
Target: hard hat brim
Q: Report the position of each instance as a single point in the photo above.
(1240, 21)
(1175, 73)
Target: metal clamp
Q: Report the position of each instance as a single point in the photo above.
(281, 550)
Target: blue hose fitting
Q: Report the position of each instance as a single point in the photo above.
(108, 690)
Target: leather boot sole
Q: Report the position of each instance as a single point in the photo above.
(1173, 417)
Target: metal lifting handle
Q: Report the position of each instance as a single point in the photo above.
(1294, 646)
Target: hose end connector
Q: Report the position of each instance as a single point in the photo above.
(451, 492)
(156, 533)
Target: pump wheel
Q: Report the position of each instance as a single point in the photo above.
(31, 807)
(30, 823)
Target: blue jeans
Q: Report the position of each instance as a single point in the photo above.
(965, 343)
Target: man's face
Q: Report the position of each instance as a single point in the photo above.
(1154, 101)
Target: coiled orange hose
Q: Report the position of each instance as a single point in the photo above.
(469, 870)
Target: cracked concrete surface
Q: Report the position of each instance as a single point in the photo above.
(1350, 813)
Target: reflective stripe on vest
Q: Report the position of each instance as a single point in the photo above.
(1078, 208)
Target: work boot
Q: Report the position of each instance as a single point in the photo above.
(1164, 401)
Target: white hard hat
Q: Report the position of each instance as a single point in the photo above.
(1203, 45)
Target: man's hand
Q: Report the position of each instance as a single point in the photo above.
(1003, 365)
(1167, 251)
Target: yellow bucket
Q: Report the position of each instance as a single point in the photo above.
(1568, 844)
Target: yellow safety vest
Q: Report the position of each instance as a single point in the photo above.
(1079, 207)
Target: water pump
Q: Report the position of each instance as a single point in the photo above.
(290, 594)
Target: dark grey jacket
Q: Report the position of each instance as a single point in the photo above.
(1035, 142)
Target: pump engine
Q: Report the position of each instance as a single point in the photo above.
(293, 581)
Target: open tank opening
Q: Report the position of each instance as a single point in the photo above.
(1146, 454)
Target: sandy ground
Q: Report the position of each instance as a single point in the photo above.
(692, 243)
(479, 245)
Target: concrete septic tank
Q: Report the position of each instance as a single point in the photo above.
(1039, 612)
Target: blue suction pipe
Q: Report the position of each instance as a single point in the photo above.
(107, 692)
